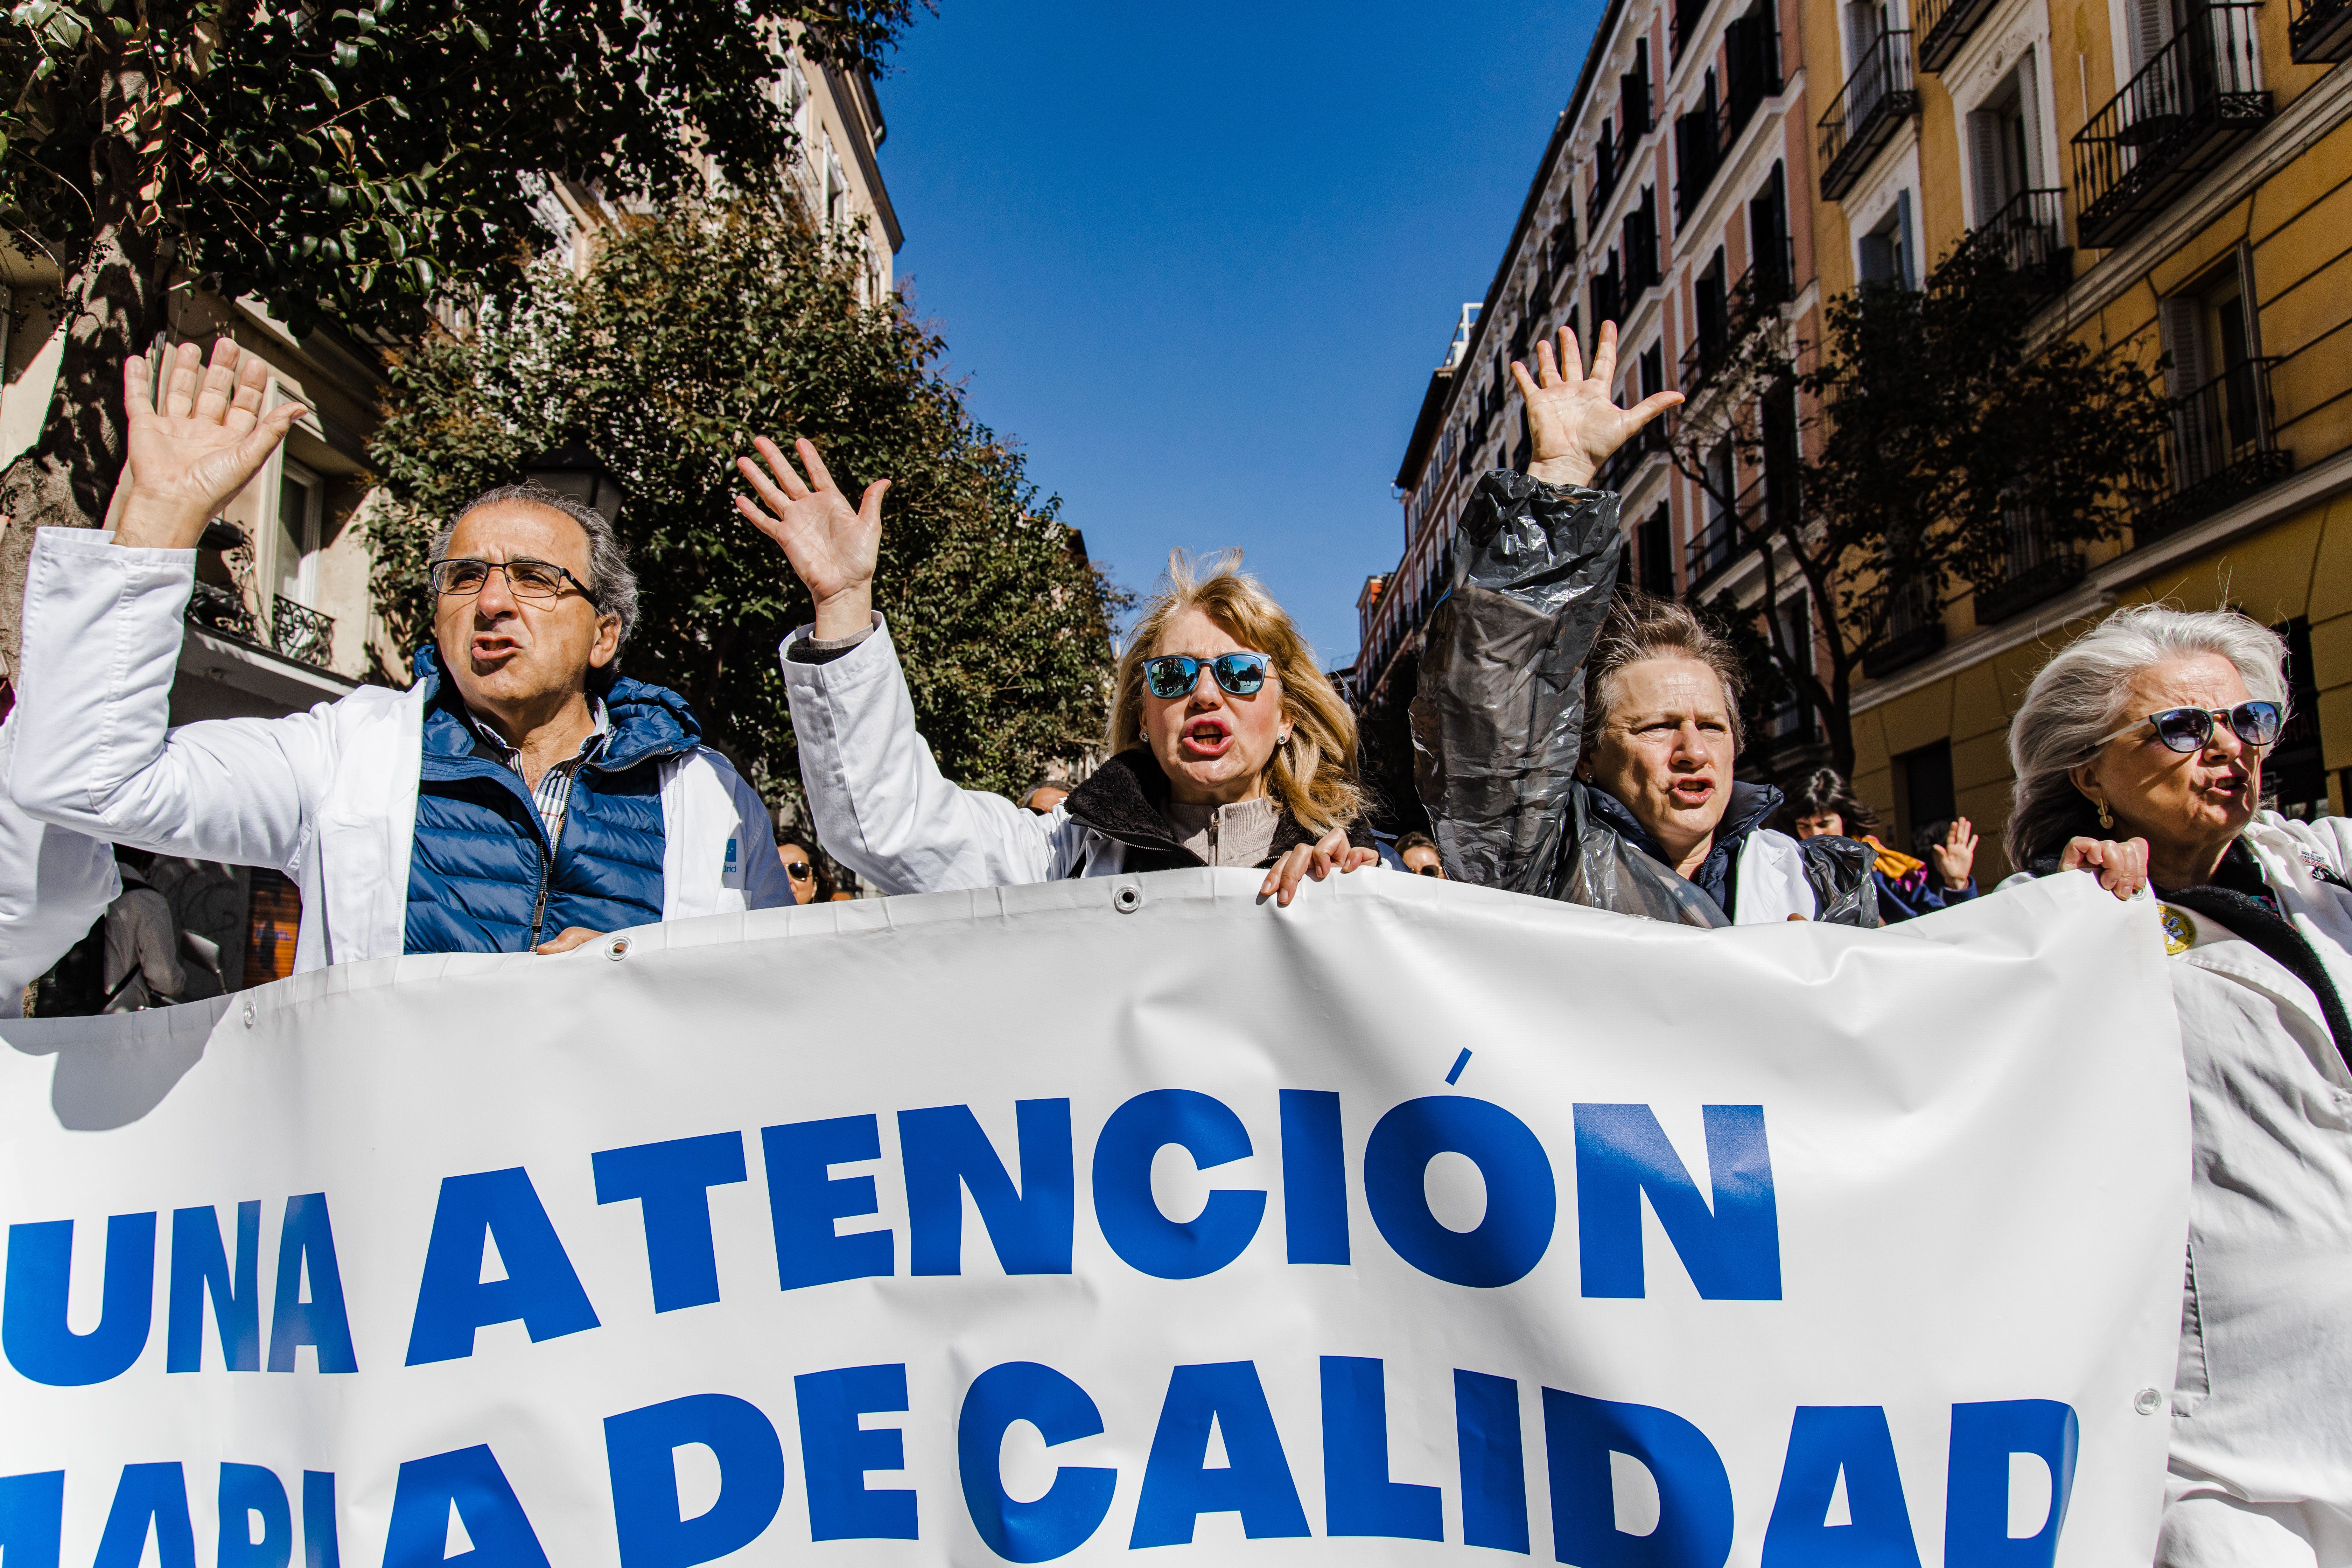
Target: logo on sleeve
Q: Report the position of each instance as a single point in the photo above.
(734, 865)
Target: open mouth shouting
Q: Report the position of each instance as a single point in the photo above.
(1205, 738)
(1691, 790)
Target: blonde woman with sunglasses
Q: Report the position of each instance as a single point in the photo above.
(1227, 745)
(2140, 751)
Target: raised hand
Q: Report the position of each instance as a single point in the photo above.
(201, 445)
(831, 545)
(1955, 856)
(1574, 425)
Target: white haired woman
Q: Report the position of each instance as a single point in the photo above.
(1228, 746)
(2146, 738)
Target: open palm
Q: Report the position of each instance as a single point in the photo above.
(197, 446)
(830, 545)
(1574, 425)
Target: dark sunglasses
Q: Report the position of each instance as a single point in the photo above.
(1429, 871)
(799, 871)
(2190, 729)
(1175, 674)
(526, 579)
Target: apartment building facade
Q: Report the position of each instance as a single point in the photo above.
(1671, 199)
(2176, 177)
(2171, 176)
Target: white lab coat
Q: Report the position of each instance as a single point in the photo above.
(53, 887)
(1770, 878)
(327, 797)
(2261, 1429)
(883, 808)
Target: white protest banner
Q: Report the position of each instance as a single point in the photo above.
(1107, 1217)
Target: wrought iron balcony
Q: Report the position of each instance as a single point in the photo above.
(1606, 167)
(2320, 33)
(1944, 25)
(1754, 298)
(1626, 461)
(1876, 99)
(1915, 630)
(2200, 95)
(2223, 446)
(2029, 237)
(1726, 536)
(301, 633)
(1681, 25)
(1698, 154)
(2035, 568)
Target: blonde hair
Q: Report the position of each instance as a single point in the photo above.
(1313, 773)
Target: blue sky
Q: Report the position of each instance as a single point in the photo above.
(1200, 259)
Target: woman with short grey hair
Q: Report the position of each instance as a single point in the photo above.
(2146, 737)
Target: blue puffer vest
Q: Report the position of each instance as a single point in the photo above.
(482, 876)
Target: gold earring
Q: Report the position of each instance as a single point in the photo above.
(2107, 817)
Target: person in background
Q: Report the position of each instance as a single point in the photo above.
(1227, 744)
(2142, 743)
(1907, 886)
(1419, 853)
(521, 797)
(142, 965)
(1043, 796)
(812, 884)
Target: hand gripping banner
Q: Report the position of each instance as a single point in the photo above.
(1124, 1220)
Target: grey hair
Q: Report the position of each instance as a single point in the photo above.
(611, 584)
(2081, 698)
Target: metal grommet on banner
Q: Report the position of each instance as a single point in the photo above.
(617, 949)
(1126, 898)
(2148, 1403)
(248, 1015)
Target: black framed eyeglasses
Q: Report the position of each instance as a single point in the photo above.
(2188, 729)
(799, 871)
(1175, 674)
(538, 581)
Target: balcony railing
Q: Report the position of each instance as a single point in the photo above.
(1686, 16)
(2029, 237)
(1943, 26)
(1606, 166)
(2201, 95)
(1878, 97)
(1915, 630)
(1699, 156)
(2035, 568)
(2321, 32)
(301, 633)
(1617, 473)
(1726, 535)
(1754, 298)
(2222, 445)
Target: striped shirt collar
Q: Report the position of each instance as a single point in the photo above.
(552, 797)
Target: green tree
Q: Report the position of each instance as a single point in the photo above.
(691, 333)
(349, 161)
(1943, 446)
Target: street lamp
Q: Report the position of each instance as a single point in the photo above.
(573, 472)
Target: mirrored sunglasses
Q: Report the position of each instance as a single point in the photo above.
(2187, 729)
(1176, 674)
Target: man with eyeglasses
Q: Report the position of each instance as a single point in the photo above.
(521, 796)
